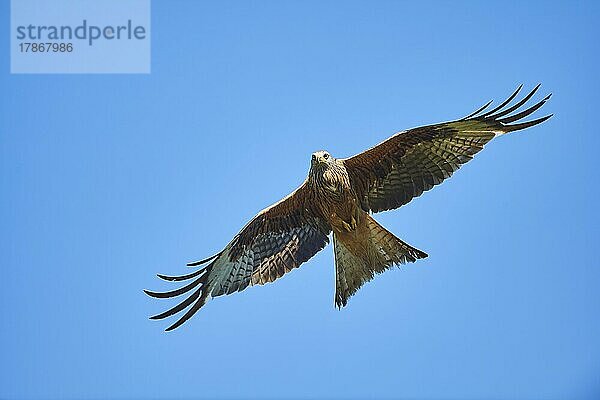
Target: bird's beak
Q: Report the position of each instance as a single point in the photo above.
(318, 161)
(321, 160)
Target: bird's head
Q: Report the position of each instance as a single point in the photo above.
(321, 159)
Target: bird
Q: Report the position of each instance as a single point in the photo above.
(338, 198)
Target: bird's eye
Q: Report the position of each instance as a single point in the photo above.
(326, 156)
(314, 157)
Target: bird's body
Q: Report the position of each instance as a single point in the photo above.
(338, 197)
(362, 247)
(330, 185)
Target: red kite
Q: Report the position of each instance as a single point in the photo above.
(339, 196)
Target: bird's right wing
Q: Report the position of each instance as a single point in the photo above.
(274, 242)
(402, 167)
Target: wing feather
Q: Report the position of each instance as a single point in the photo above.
(277, 240)
(409, 163)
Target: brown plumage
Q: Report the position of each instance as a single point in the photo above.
(337, 196)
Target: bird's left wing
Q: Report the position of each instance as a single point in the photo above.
(275, 241)
(402, 167)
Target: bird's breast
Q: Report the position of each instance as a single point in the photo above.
(338, 202)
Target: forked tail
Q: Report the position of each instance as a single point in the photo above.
(364, 252)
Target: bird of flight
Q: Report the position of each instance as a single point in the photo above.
(339, 196)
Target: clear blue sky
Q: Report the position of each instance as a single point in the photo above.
(108, 179)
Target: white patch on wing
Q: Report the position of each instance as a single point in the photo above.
(271, 254)
(496, 133)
